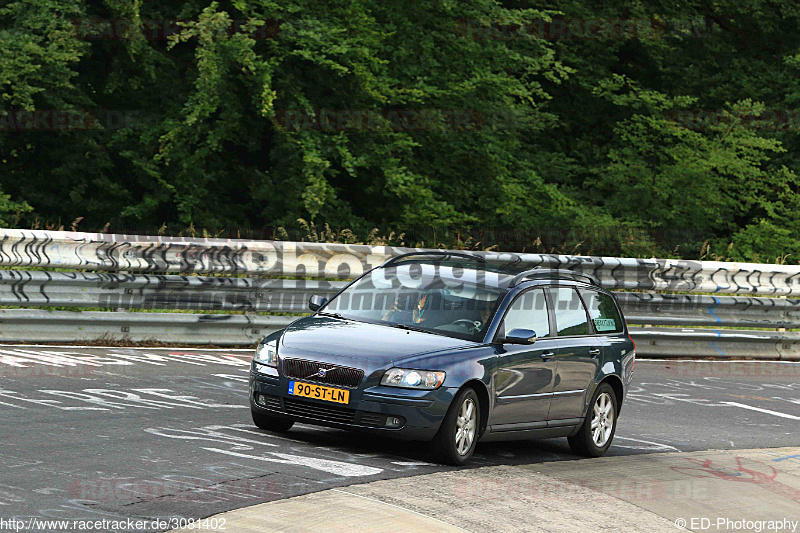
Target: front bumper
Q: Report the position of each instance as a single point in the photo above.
(369, 408)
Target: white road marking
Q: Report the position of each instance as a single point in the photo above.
(246, 429)
(25, 358)
(760, 410)
(232, 377)
(653, 446)
(48, 491)
(688, 399)
(334, 467)
(189, 400)
(128, 347)
(210, 433)
(101, 400)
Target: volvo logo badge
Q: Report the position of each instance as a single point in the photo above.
(321, 372)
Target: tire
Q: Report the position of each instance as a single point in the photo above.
(594, 441)
(455, 441)
(271, 423)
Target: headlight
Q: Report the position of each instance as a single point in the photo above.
(267, 354)
(413, 379)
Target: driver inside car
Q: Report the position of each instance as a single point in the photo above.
(426, 309)
(485, 309)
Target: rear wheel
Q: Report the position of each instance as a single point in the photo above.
(271, 423)
(597, 431)
(455, 442)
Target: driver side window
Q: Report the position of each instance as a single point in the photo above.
(528, 311)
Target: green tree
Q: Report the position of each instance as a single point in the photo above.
(627, 128)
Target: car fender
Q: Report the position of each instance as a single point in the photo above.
(611, 369)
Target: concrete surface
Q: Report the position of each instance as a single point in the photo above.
(652, 492)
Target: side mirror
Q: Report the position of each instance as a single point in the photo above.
(316, 301)
(520, 336)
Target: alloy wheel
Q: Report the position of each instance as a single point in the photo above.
(466, 424)
(602, 419)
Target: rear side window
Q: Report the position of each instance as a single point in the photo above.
(528, 311)
(570, 313)
(603, 312)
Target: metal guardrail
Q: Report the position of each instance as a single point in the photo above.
(34, 325)
(31, 325)
(151, 288)
(129, 291)
(102, 252)
(253, 295)
(713, 311)
(687, 343)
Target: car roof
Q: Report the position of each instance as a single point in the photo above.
(507, 275)
(502, 267)
(468, 270)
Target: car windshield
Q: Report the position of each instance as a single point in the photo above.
(446, 300)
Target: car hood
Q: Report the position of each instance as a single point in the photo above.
(360, 344)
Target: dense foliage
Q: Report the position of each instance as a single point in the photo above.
(634, 128)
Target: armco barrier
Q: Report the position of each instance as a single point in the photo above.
(686, 343)
(701, 310)
(148, 291)
(35, 325)
(101, 252)
(129, 291)
(131, 272)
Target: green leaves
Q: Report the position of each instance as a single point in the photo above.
(668, 175)
(657, 126)
(11, 212)
(39, 50)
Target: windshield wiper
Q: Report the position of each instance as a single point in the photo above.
(409, 328)
(332, 315)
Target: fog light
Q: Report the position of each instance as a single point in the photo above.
(260, 400)
(394, 422)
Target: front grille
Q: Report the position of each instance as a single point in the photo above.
(318, 411)
(335, 375)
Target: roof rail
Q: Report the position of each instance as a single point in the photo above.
(442, 254)
(552, 273)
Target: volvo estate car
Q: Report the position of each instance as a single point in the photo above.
(445, 348)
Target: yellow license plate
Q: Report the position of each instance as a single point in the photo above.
(328, 394)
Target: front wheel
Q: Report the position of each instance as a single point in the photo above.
(271, 423)
(455, 442)
(597, 431)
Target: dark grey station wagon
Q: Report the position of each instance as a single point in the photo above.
(443, 347)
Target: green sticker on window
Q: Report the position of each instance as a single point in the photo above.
(605, 324)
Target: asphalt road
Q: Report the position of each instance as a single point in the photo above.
(115, 433)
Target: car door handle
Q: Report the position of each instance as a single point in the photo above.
(547, 355)
(594, 352)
